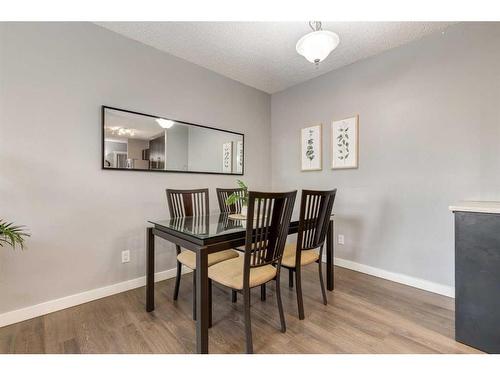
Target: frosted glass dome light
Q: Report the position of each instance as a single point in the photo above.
(165, 124)
(317, 45)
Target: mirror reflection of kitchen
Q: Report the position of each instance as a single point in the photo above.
(135, 141)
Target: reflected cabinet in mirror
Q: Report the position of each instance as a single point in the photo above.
(137, 141)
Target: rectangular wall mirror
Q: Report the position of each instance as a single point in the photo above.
(137, 141)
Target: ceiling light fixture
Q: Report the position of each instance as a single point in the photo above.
(165, 124)
(317, 45)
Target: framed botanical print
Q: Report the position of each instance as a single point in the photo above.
(310, 148)
(345, 144)
(239, 157)
(227, 157)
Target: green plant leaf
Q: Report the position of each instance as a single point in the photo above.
(240, 195)
(12, 235)
(241, 184)
(232, 199)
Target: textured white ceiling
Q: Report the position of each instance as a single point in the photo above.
(262, 54)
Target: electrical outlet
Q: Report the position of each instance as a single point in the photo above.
(126, 256)
(341, 239)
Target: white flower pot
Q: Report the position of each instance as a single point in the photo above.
(244, 210)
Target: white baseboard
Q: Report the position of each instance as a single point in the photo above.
(415, 282)
(30, 312)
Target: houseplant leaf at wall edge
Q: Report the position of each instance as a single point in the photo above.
(12, 235)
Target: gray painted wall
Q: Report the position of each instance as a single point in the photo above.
(53, 79)
(177, 147)
(429, 135)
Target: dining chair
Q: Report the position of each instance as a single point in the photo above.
(192, 203)
(315, 211)
(268, 221)
(223, 194)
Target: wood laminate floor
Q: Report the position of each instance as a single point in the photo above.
(365, 314)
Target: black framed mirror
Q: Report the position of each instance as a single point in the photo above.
(134, 141)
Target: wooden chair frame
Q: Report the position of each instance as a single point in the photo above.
(193, 202)
(268, 220)
(222, 195)
(315, 211)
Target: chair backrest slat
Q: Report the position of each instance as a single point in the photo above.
(223, 194)
(188, 202)
(315, 211)
(268, 221)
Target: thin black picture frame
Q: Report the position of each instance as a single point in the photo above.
(103, 156)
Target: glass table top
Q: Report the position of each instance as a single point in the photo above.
(205, 227)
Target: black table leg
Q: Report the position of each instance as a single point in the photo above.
(329, 256)
(202, 314)
(150, 270)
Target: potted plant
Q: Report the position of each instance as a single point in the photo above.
(240, 196)
(12, 235)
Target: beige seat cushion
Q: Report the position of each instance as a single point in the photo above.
(230, 273)
(188, 258)
(306, 257)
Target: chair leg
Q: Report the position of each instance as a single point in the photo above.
(234, 296)
(209, 303)
(194, 294)
(298, 287)
(290, 277)
(321, 282)
(177, 280)
(248, 323)
(263, 292)
(280, 304)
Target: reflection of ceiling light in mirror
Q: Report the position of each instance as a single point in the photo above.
(122, 131)
(165, 124)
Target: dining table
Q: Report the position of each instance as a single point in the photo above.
(205, 235)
